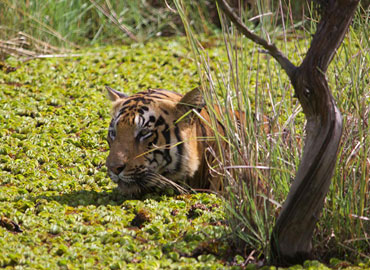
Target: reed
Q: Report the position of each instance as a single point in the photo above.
(265, 153)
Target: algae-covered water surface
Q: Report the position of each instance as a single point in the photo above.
(58, 208)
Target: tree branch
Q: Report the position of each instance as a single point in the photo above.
(323, 47)
(288, 66)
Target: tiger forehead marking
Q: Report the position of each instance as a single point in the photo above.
(149, 147)
(135, 110)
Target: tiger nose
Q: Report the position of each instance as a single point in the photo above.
(117, 169)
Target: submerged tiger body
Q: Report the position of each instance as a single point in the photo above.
(157, 141)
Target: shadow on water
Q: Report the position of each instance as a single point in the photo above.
(90, 197)
(86, 197)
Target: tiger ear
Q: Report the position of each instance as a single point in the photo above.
(114, 94)
(191, 100)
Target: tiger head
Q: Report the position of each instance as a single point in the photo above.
(153, 140)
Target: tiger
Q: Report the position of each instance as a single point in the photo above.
(158, 140)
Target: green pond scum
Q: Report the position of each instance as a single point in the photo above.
(58, 208)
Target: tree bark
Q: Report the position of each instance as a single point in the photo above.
(291, 240)
(292, 234)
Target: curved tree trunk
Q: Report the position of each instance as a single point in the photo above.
(291, 238)
(292, 234)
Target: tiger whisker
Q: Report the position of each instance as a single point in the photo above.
(162, 182)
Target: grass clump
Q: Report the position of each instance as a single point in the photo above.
(265, 153)
(45, 27)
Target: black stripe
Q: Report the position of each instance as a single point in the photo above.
(203, 130)
(165, 112)
(180, 149)
(158, 96)
(152, 118)
(146, 101)
(158, 93)
(125, 108)
(221, 125)
(111, 131)
(140, 111)
(155, 138)
(167, 136)
(160, 122)
(164, 91)
(126, 102)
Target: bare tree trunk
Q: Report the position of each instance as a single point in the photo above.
(292, 234)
